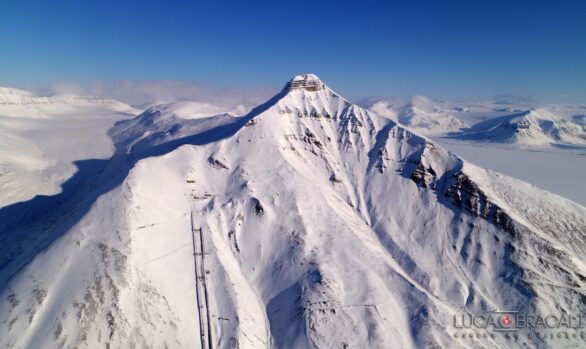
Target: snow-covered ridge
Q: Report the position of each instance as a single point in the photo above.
(531, 127)
(9, 91)
(486, 121)
(194, 110)
(19, 103)
(420, 114)
(27, 98)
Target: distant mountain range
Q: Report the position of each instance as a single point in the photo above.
(513, 124)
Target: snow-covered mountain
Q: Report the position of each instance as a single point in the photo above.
(485, 121)
(311, 222)
(41, 136)
(531, 127)
(20, 103)
(421, 114)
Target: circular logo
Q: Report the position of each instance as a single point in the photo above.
(506, 320)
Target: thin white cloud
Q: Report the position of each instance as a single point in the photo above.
(143, 93)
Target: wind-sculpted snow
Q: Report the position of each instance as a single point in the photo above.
(324, 225)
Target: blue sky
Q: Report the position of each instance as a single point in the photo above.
(446, 49)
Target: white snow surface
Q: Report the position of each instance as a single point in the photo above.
(541, 145)
(486, 121)
(42, 137)
(325, 225)
(531, 127)
(420, 114)
(557, 170)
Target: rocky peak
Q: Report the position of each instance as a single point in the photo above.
(307, 82)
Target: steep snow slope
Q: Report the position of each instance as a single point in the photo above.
(324, 225)
(531, 127)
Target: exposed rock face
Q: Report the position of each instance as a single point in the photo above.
(466, 195)
(308, 82)
(259, 211)
(424, 176)
(217, 163)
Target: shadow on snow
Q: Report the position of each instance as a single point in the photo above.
(29, 228)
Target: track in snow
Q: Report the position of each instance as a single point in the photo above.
(201, 286)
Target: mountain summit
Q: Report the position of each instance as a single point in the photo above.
(309, 222)
(308, 82)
